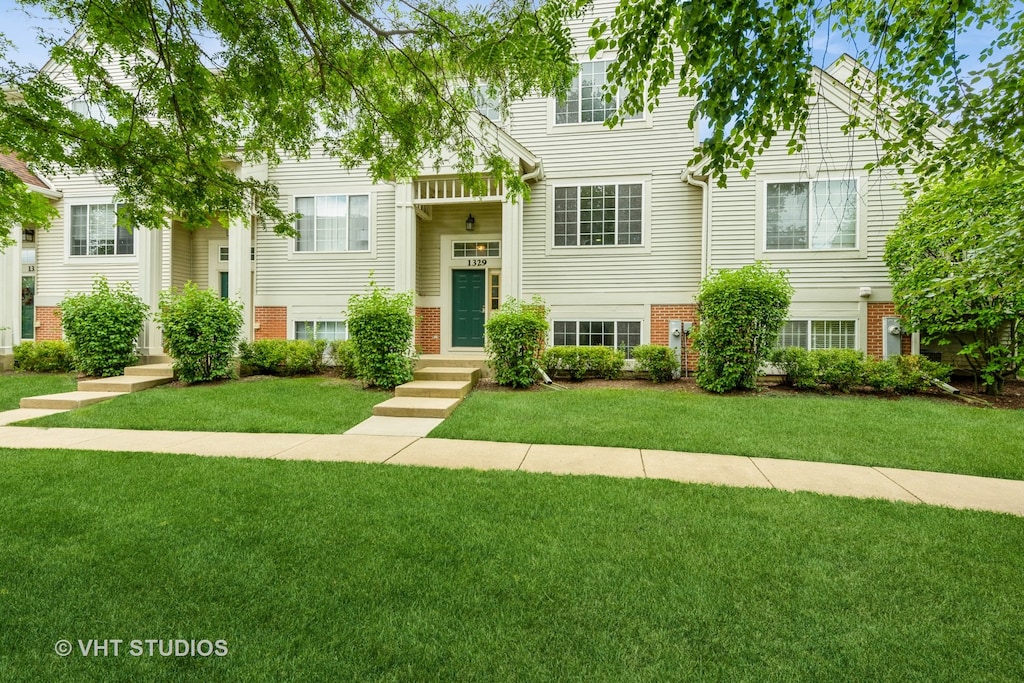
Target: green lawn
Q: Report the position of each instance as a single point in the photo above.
(340, 571)
(311, 405)
(911, 433)
(15, 386)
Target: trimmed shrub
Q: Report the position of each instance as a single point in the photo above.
(44, 356)
(103, 327)
(200, 332)
(342, 356)
(741, 313)
(380, 327)
(903, 374)
(581, 361)
(659, 362)
(799, 366)
(839, 369)
(283, 357)
(515, 342)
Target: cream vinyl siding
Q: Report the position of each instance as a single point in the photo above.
(738, 219)
(665, 268)
(281, 272)
(449, 220)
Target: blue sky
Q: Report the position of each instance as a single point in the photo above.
(20, 27)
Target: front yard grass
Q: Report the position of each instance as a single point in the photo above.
(911, 433)
(15, 386)
(305, 405)
(343, 571)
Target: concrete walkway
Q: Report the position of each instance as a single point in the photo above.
(951, 490)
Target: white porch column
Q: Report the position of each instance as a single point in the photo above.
(150, 245)
(405, 238)
(512, 249)
(240, 271)
(10, 297)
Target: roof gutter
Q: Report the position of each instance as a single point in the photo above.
(536, 174)
(45, 191)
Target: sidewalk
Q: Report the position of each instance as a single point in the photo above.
(951, 490)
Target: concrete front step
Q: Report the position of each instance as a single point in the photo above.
(151, 370)
(67, 400)
(455, 360)
(434, 389)
(413, 406)
(122, 385)
(444, 374)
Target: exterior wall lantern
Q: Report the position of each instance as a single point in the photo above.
(470, 223)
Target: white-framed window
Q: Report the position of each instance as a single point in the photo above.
(333, 223)
(476, 249)
(617, 334)
(330, 330)
(819, 334)
(487, 105)
(599, 215)
(95, 232)
(89, 110)
(811, 215)
(588, 99)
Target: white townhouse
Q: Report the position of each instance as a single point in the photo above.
(615, 237)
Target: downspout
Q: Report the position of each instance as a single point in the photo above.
(705, 240)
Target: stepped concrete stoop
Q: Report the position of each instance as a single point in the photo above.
(68, 400)
(434, 393)
(125, 384)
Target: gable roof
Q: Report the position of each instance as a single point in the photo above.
(13, 164)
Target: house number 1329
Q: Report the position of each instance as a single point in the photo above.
(476, 262)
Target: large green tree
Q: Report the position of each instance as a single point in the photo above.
(390, 84)
(956, 259)
(212, 83)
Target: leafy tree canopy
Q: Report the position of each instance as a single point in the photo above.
(746, 62)
(390, 84)
(956, 259)
(212, 84)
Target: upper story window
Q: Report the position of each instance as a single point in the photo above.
(487, 105)
(819, 334)
(811, 214)
(95, 232)
(599, 215)
(588, 99)
(333, 223)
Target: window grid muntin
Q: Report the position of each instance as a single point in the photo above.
(599, 215)
(818, 334)
(616, 334)
(330, 330)
(588, 100)
(95, 232)
(333, 223)
(476, 249)
(790, 207)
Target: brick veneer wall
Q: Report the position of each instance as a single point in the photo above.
(660, 317)
(48, 324)
(428, 330)
(272, 321)
(876, 335)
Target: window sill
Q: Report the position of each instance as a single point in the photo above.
(813, 254)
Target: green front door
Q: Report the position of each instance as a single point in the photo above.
(469, 294)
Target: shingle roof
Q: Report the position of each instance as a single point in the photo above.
(16, 166)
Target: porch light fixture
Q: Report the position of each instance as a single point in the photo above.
(28, 235)
(470, 223)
